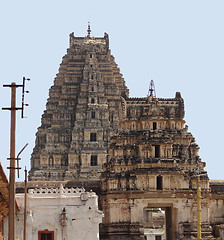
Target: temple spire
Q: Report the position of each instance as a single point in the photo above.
(89, 30)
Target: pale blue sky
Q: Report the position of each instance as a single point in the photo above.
(178, 44)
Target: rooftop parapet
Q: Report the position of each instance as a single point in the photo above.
(99, 44)
(154, 108)
(72, 192)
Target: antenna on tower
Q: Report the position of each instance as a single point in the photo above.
(89, 30)
(152, 89)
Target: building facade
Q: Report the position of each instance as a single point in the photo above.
(58, 214)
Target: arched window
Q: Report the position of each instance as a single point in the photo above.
(159, 183)
(92, 100)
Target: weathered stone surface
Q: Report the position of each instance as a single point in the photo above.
(82, 113)
(153, 163)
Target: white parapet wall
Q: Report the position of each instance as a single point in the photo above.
(59, 214)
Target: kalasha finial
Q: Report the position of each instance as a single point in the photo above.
(152, 89)
(89, 30)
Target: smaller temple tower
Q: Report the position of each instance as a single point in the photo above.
(153, 166)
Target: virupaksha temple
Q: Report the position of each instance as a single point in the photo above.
(135, 158)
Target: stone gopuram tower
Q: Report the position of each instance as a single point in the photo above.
(82, 112)
(153, 166)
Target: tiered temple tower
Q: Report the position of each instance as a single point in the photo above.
(82, 112)
(154, 164)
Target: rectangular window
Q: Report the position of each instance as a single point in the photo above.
(94, 160)
(45, 235)
(157, 151)
(154, 125)
(93, 137)
(93, 114)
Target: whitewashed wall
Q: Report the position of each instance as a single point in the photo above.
(44, 211)
(152, 233)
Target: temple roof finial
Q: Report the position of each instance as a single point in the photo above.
(89, 30)
(152, 89)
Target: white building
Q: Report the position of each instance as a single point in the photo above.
(59, 214)
(154, 234)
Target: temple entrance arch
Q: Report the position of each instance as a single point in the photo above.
(159, 221)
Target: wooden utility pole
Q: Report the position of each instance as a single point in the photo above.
(13, 108)
(11, 235)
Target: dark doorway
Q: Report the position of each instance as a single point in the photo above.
(157, 151)
(93, 114)
(159, 183)
(93, 160)
(92, 137)
(168, 223)
(154, 125)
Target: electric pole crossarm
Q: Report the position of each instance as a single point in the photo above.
(12, 85)
(19, 108)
